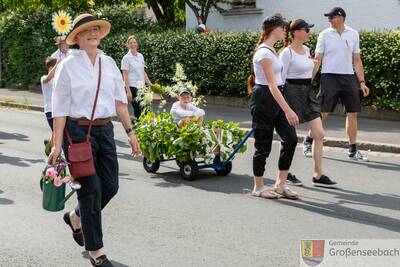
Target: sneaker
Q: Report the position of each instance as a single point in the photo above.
(356, 155)
(292, 179)
(323, 181)
(307, 149)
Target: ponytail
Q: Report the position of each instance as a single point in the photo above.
(286, 41)
(251, 79)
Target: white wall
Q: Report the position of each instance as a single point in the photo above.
(361, 14)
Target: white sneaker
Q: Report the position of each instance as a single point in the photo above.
(307, 149)
(356, 156)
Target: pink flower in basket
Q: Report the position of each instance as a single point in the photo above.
(66, 179)
(51, 172)
(57, 181)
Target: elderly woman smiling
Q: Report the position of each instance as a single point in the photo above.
(76, 81)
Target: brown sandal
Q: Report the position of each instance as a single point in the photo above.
(285, 192)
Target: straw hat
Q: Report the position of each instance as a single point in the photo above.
(85, 21)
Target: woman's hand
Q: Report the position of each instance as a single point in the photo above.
(129, 95)
(134, 145)
(292, 118)
(54, 155)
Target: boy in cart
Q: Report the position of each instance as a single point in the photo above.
(183, 110)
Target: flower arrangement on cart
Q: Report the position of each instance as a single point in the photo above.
(193, 146)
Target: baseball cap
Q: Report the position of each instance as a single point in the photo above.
(273, 21)
(336, 11)
(301, 24)
(183, 89)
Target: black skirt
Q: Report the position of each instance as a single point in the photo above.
(303, 101)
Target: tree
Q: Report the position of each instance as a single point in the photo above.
(77, 5)
(201, 8)
(170, 12)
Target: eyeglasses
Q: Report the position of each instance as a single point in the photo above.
(333, 17)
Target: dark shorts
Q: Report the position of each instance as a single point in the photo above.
(343, 87)
(302, 99)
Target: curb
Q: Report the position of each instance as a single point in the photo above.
(331, 142)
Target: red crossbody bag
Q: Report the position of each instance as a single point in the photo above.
(80, 156)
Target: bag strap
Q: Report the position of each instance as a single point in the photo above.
(93, 109)
(252, 65)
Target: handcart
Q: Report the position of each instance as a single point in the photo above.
(190, 169)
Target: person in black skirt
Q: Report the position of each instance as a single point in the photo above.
(270, 111)
(298, 68)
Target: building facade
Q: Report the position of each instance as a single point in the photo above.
(247, 15)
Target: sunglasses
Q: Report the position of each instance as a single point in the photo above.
(307, 30)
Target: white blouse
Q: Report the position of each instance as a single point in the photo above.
(264, 52)
(135, 66)
(296, 66)
(75, 85)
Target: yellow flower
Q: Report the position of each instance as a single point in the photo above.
(62, 22)
(91, 3)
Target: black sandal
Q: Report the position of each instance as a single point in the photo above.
(101, 261)
(76, 234)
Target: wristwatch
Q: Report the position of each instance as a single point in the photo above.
(128, 131)
(360, 82)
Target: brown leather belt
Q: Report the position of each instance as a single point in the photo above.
(85, 122)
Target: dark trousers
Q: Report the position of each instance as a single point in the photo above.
(99, 189)
(137, 110)
(267, 116)
(49, 120)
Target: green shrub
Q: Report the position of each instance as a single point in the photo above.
(218, 63)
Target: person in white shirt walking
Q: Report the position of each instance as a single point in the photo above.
(47, 88)
(183, 109)
(270, 111)
(297, 72)
(133, 70)
(75, 85)
(338, 49)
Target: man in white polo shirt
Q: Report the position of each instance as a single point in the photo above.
(338, 48)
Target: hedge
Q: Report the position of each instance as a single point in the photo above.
(218, 63)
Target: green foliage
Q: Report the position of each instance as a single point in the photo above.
(26, 39)
(217, 63)
(160, 138)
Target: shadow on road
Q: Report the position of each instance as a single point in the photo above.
(16, 161)
(240, 184)
(387, 166)
(85, 255)
(6, 201)
(13, 136)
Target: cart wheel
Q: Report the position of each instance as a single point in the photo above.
(189, 170)
(226, 170)
(151, 167)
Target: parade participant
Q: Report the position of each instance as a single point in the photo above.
(78, 79)
(47, 88)
(183, 109)
(63, 48)
(297, 71)
(338, 49)
(133, 69)
(270, 111)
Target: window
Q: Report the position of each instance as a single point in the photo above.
(240, 4)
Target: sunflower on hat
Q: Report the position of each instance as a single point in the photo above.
(61, 22)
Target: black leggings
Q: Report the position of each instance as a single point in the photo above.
(267, 116)
(137, 110)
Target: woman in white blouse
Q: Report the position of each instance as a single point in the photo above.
(75, 86)
(298, 69)
(135, 76)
